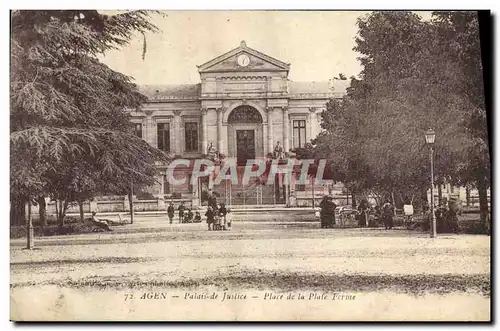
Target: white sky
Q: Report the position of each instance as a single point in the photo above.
(318, 45)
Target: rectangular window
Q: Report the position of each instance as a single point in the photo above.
(163, 135)
(299, 133)
(300, 187)
(138, 129)
(191, 136)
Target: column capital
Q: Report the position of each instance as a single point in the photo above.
(285, 109)
(269, 109)
(312, 109)
(221, 110)
(177, 112)
(204, 110)
(148, 112)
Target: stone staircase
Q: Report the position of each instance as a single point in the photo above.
(253, 193)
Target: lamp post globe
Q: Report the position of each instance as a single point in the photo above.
(430, 136)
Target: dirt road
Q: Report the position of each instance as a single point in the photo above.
(384, 270)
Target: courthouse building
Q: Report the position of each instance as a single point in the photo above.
(244, 105)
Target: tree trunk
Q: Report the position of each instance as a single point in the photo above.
(483, 201)
(65, 209)
(42, 211)
(80, 205)
(29, 228)
(393, 202)
(467, 196)
(440, 194)
(131, 204)
(57, 210)
(353, 200)
(63, 206)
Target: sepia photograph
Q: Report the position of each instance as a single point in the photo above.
(250, 165)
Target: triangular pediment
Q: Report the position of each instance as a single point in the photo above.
(257, 61)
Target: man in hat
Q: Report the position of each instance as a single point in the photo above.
(387, 215)
(212, 200)
(171, 211)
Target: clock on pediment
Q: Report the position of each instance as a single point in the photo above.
(243, 60)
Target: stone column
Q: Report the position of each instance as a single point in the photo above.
(150, 128)
(286, 142)
(220, 138)
(312, 121)
(195, 201)
(177, 129)
(204, 130)
(270, 130)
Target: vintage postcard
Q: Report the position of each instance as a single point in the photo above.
(249, 166)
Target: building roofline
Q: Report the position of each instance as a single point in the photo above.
(205, 67)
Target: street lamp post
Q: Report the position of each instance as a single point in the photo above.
(30, 244)
(430, 136)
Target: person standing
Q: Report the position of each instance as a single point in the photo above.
(212, 200)
(210, 214)
(323, 205)
(171, 212)
(181, 212)
(387, 215)
(223, 213)
(440, 213)
(327, 213)
(362, 213)
(452, 219)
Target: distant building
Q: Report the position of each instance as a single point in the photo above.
(244, 105)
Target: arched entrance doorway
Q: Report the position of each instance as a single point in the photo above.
(245, 134)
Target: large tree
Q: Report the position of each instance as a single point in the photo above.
(458, 37)
(69, 120)
(415, 75)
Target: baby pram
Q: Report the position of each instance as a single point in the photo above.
(217, 222)
(221, 222)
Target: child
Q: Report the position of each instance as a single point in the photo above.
(189, 216)
(223, 213)
(197, 217)
(181, 212)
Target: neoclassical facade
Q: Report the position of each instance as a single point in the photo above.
(244, 106)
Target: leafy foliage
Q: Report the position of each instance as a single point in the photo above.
(416, 75)
(70, 131)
